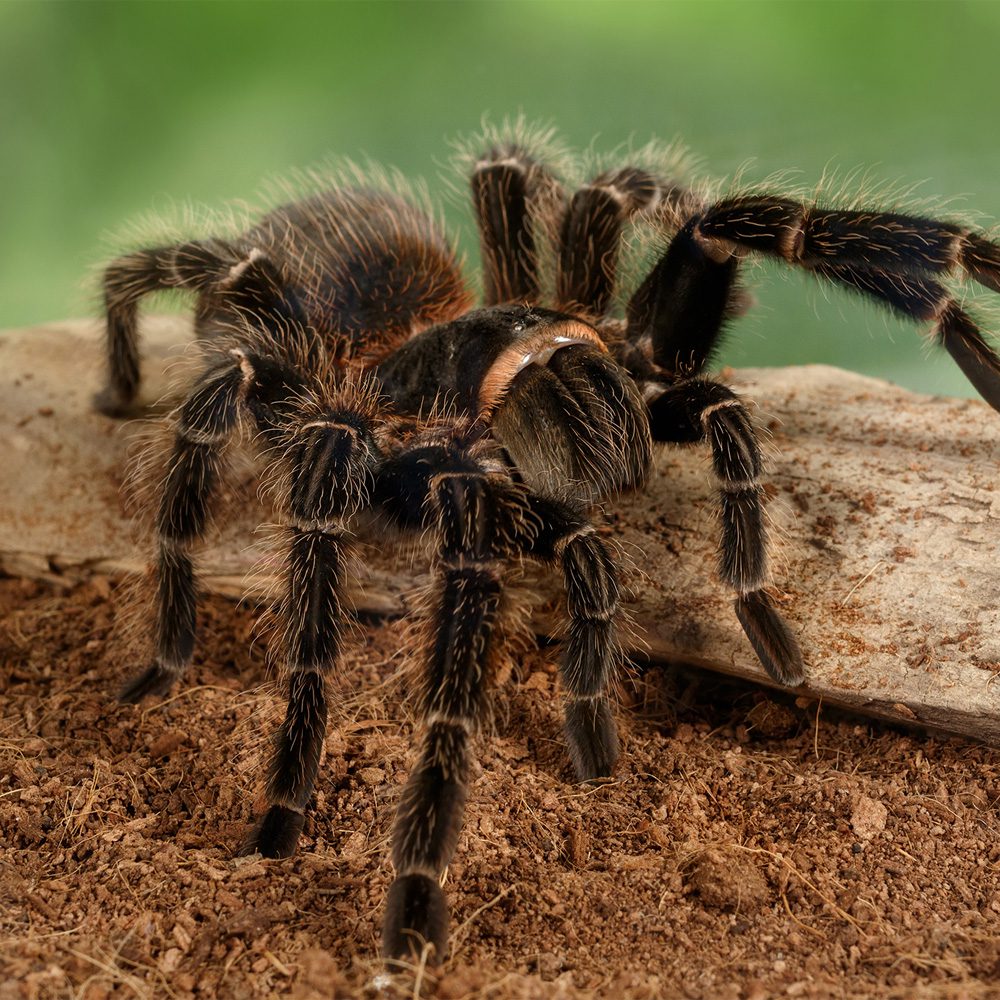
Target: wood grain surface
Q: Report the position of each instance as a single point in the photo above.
(883, 507)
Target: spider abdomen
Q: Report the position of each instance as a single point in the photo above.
(368, 266)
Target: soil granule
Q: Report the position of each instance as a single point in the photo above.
(748, 846)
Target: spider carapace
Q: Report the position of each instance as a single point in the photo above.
(339, 331)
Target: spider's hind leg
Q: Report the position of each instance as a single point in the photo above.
(196, 265)
(233, 282)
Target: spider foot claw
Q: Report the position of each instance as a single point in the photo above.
(592, 737)
(416, 915)
(770, 637)
(154, 681)
(277, 834)
(112, 403)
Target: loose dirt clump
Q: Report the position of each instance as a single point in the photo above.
(729, 882)
(746, 847)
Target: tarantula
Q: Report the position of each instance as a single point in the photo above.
(339, 331)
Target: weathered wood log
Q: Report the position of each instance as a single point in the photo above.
(884, 509)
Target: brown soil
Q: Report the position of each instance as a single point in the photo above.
(748, 846)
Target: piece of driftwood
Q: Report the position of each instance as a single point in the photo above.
(884, 509)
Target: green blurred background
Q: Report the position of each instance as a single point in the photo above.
(109, 109)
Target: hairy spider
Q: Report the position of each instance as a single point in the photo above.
(339, 331)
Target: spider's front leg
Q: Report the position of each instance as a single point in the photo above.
(592, 653)
(476, 514)
(892, 258)
(328, 457)
(702, 410)
(674, 321)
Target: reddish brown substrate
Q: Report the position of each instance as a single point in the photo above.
(746, 847)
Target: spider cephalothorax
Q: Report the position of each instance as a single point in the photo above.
(340, 332)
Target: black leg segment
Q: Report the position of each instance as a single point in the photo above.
(930, 301)
(205, 423)
(592, 654)
(196, 266)
(329, 457)
(590, 237)
(678, 312)
(231, 388)
(476, 516)
(891, 257)
(510, 195)
(702, 410)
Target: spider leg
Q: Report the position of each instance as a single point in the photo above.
(674, 321)
(696, 410)
(808, 236)
(233, 283)
(255, 290)
(590, 237)
(475, 513)
(196, 266)
(677, 315)
(592, 654)
(329, 456)
(510, 191)
(885, 255)
(930, 301)
(241, 383)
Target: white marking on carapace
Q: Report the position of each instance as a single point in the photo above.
(536, 348)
